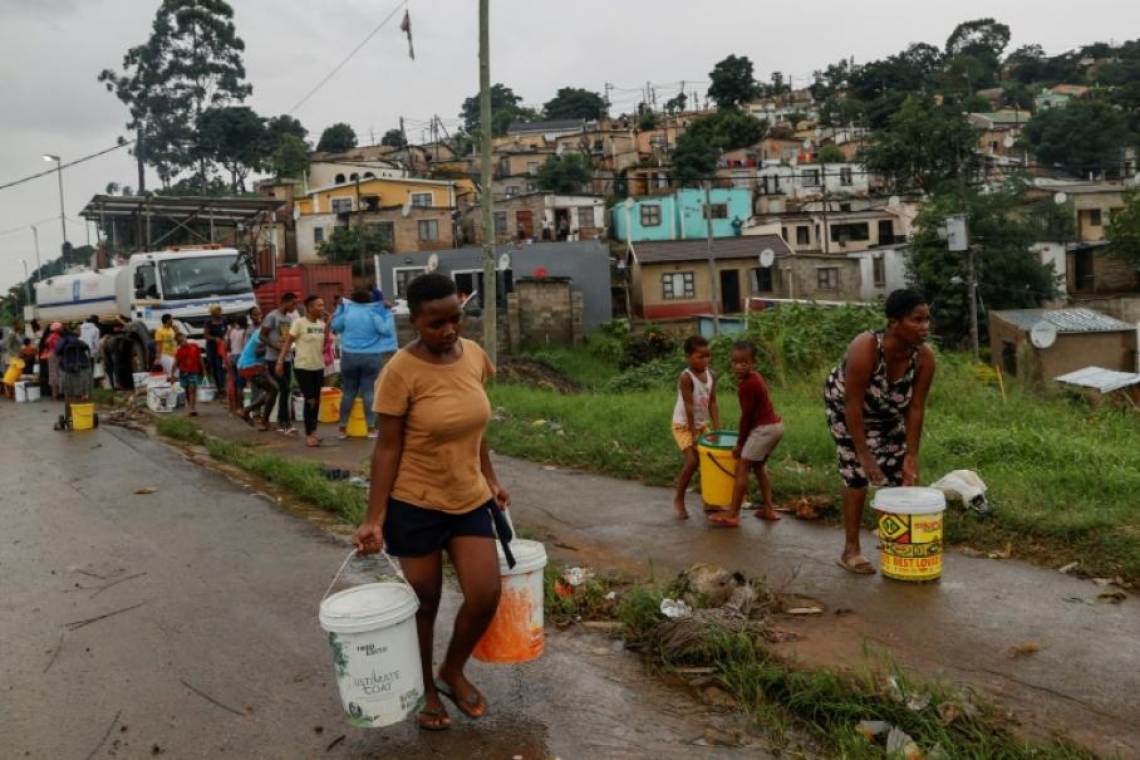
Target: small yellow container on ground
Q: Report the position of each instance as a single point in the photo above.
(82, 416)
(718, 468)
(357, 426)
(910, 533)
(330, 405)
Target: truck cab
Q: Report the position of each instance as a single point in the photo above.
(185, 283)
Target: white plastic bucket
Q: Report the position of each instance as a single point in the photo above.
(33, 391)
(372, 633)
(516, 632)
(140, 378)
(20, 391)
(298, 406)
(206, 393)
(162, 397)
(910, 532)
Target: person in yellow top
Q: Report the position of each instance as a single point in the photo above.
(308, 334)
(434, 488)
(166, 345)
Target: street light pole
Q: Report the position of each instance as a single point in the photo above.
(27, 285)
(36, 236)
(490, 272)
(59, 172)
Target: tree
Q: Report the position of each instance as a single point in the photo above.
(728, 130)
(564, 174)
(575, 103)
(676, 104)
(192, 62)
(832, 154)
(344, 245)
(337, 139)
(921, 147)
(291, 158)
(1084, 137)
(647, 119)
(982, 38)
(282, 125)
(733, 82)
(394, 138)
(1123, 230)
(1009, 274)
(505, 109)
(233, 136)
(694, 158)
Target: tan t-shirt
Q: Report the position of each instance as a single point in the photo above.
(445, 412)
(309, 338)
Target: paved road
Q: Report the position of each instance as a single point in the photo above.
(210, 646)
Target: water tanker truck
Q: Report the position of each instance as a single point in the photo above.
(183, 283)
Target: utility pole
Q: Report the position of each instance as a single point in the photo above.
(490, 274)
(826, 230)
(961, 242)
(713, 285)
(139, 158)
(39, 265)
(360, 227)
(407, 149)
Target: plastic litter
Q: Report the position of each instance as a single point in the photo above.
(576, 576)
(675, 608)
(968, 487)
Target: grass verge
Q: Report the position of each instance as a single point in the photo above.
(1063, 475)
(791, 702)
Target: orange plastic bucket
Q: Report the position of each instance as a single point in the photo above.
(516, 632)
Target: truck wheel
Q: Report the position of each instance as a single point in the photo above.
(139, 361)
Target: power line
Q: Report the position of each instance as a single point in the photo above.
(68, 165)
(355, 50)
(23, 227)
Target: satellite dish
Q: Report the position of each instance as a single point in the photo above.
(407, 209)
(894, 201)
(296, 213)
(433, 262)
(807, 144)
(628, 203)
(1043, 334)
(1060, 198)
(767, 256)
(504, 262)
(1008, 141)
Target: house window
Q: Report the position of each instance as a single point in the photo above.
(585, 216)
(845, 233)
(803, 235)
(386, 231)
(421, 199)
(879, 271)
(762, 280)
(429, 229)
(500, 222)
(716, 211)
(676, 285)
(532, 167)
(846, 176)
(342, 205)
(827, 278)
(402, 276)
(650, 215)
(531, 187)
(1095, 219)
(370, 202)
(810, 178)
(512, 191)
(338, 179)
(318, 235)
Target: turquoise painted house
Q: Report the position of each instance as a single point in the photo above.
(681, 215)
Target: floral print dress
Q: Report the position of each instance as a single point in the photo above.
(884, 419)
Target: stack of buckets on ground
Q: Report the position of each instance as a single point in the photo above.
(372, 634)
(909, 519)
(25, 388)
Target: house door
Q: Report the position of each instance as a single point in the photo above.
(886, 232)
(730, 290)
(525, 224)
(1085, 278)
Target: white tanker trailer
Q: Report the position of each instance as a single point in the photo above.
(183, 283)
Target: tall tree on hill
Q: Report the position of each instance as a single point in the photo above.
(290, 158)
(564, 174)
(282, 125)
(733, 82)
(192, 62)
(235, 138)
(982, 38)
(1085, 137)
(394, 138)
(575, 103)
(505, 108)
(337, 138)
(922, 145)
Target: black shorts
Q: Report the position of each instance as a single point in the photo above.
(411, 531)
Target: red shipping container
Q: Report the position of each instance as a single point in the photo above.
(327, 281)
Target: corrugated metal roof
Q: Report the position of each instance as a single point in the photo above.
(1075, 320)
(743, 247)
(1103, 380)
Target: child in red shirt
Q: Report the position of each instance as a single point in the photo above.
(760, 432)
(188, 357)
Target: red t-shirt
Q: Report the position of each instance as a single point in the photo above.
(755, 404)
(189, 358)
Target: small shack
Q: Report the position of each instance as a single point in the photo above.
(1098, 382)
(1042, 344)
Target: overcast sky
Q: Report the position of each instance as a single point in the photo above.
(52, 50)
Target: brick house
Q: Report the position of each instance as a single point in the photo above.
(540, 216)
(1084, 338)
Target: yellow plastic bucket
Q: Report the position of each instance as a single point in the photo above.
(357, 426)
(910, 533)
(14, 371)
(330, 405)
(718, 468)
(82, 416)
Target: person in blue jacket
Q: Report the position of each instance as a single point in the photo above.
(367, 332)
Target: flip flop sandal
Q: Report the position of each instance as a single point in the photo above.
(858, 564)
(430, 719)
(724, 521)
(473, 711)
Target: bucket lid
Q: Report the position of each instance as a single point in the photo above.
(529, 555)
(718, 439)
(909, 500)
(368, 607)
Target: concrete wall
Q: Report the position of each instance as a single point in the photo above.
(544, 312)
(682, 215)
(1070, 352)
(893, 268)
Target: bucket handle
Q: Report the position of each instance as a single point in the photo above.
(391, 562)
(719, 466)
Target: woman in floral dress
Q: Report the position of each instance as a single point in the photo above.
(876, 401)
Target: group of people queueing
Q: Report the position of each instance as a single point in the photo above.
(874, 400)
(66, 355)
